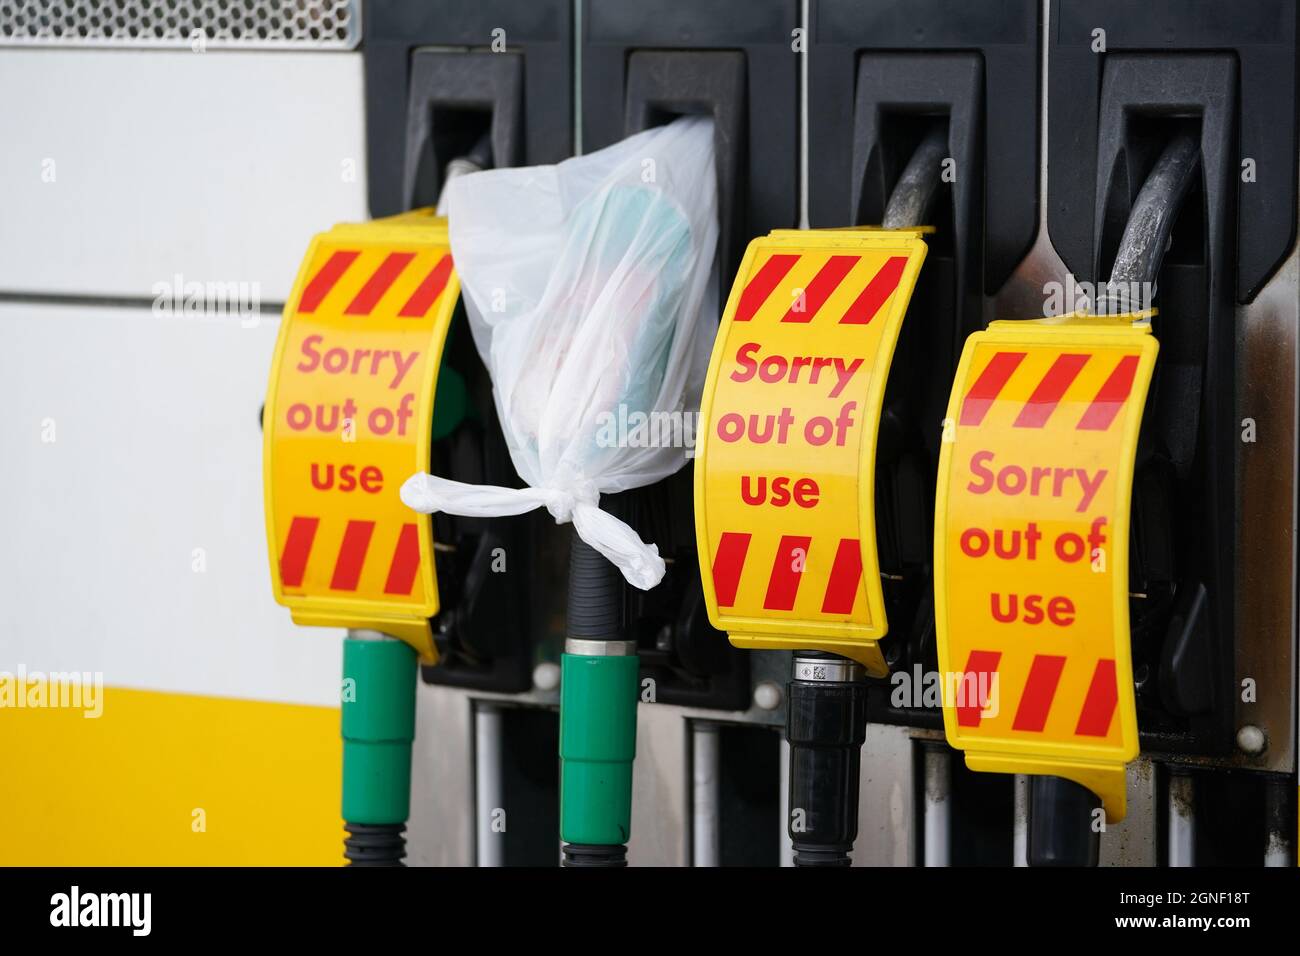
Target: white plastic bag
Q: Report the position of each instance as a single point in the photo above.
(583, 284)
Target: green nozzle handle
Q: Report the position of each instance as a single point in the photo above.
(598, 696)
(378, 727)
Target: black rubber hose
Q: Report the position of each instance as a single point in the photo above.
(481, 154)
(1145, 241)
(826, 724)
(374, 844)
(910, 199)
(595, 594)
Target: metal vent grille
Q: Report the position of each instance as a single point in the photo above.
(192, 24)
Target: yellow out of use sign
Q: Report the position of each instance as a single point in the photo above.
(1031, 548)
(348, 418)
(785, 476)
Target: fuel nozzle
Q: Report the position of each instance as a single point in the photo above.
(1061, 823)
(826, 724)
(598, 697)
(379, 675)
(826, 720)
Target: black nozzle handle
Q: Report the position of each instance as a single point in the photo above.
(1062, 818)
(826, 725)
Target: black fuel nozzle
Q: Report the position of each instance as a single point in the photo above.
(826, 724)
(1062, 829)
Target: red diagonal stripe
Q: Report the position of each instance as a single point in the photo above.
(297, 549)
(428, 291)
(761, 286)
(1111, 398)
(825, 282)
(727, 565)
(783, 584)
(846, 572)
(1047, 395)
(976, 682)
(877, 292)
(378, 283)
(324, 280)
(988, 386)
(1040, 688)
(1099, 705)
(406, 561)
(352, 555)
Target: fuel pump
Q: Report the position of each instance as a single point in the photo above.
(349, 412)
(450, 88)
(599, 274)
(882, 75)
(800, 365)
(1032, 543)
(598, 701)
(1212, 623)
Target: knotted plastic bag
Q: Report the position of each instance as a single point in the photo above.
(583, 284)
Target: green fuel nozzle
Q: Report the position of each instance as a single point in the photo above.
(379, 674)
(598, 698)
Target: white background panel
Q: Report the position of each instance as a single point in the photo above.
(214, 165)
(157, 452)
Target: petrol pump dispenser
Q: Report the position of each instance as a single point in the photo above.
(583, 285)
(787, 460)
(349, 413)
(1032, 539)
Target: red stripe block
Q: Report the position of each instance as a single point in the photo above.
(727, 565)
(297, 549)
(783, 585)
(325, 279)
(988, 386)
(406, 561)
(761, 286)
(1040, 688)
(825, 282)
(1099, 705)
(428, 291)
(846, 572)
(352, 555)
(378, 283)
(877, 292)
(1050, 390)
(976, 681)
(1111, 398)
